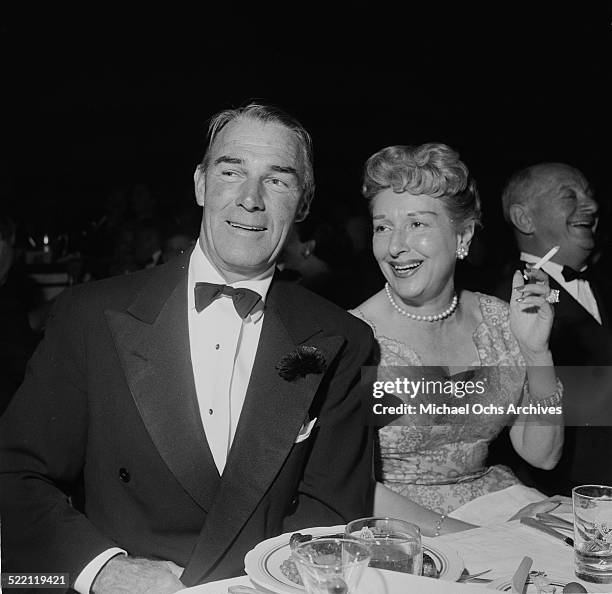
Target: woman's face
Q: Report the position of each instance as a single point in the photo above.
(415, 244)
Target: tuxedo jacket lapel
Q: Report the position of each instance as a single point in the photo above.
(603, 295)
(152, 340)
(273, 412)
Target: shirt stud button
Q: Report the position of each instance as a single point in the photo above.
(124, 475)
(217, 347)
(210, 411)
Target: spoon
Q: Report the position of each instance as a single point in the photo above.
(573, 587)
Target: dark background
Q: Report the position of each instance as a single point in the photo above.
(95, 102)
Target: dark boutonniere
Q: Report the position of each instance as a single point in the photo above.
(301, 362)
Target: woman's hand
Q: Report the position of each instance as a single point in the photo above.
(531, 316)
(556, 503)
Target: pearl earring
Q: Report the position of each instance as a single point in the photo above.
(462, 251)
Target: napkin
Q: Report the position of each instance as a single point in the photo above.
(497, 507)
(502, 547)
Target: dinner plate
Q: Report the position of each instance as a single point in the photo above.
(559, 581)
(262, 564)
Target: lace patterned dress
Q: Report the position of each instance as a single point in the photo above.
(440, 463)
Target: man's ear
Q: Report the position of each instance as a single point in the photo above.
(521, 219)
(199, 181)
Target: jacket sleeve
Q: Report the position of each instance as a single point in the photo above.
(338, 484)
(42, 451)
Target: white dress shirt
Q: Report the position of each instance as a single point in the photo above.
(579, 288)
(223, 348)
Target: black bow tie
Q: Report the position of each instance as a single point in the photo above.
(244, 299)
(569, 274)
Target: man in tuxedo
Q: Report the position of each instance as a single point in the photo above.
(202, 405)
(552, 204)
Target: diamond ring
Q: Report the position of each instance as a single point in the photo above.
(553, 296)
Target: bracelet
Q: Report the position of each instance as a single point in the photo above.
(553, 400)
(439, 524)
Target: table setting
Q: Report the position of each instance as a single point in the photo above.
(549, 553)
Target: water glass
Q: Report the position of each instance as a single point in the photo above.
(593, 533)
(331, 565)
(394, 545)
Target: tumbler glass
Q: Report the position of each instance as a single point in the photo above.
(593, 533)
(394, 544)
(331, 565)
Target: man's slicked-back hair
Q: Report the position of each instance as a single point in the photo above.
(266, 114)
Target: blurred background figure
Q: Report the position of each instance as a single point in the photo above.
(104, 233)
(180, 234)
(147, 246)
(17, 339)
(368, 278)
(176, 242)
(128, 235)
(142, 203)
(319, 255)
(552, 204)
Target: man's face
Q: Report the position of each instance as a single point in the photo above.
(251, 193)
(565, 214)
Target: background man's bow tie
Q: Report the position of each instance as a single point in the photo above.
(569, 274)
(244, 299)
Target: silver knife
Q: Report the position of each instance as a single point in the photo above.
(521, 574)
(533, 523)
(555, 521)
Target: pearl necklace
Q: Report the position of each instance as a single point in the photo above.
(430, 318)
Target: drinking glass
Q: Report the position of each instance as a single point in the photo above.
(331, 565)
(593, 533)
(393, 544)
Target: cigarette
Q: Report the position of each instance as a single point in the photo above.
(545, 258)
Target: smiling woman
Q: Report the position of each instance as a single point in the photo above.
(425, 208)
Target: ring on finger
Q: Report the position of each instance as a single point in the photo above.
(553, 296)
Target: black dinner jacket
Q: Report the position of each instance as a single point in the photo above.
(109, 400)
(582, 352)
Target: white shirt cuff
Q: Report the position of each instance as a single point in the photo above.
(85, 579)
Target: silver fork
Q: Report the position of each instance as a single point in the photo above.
(466, 577)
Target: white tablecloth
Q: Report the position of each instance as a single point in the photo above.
(500, 548)
(369, 585)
